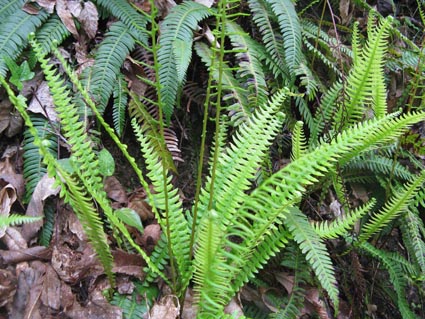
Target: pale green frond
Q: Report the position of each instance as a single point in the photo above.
(299, 145)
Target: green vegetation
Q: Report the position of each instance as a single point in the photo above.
(252, 75)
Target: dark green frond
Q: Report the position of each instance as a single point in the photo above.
(128, 15)
(291, 32)
(51, 33)
(14, 34)
(396, 276)
(109, 58)
(9, 7)
(395, 206)
(120, 104)
(34, 169)
(175, 50)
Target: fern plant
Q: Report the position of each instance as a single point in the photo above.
(234, 226)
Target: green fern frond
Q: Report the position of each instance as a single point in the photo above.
(97, 190)
(314, 250)
(9, 7)
(250, 70)
(326, 110)
(379, 165)
(14, 219)
(109, 58)
(210, 275)
(175, 50)
(173, 222)
(51, 33)
(48, 223)
(340, 226)
(14, 32)
(238, 105)
(262, 17)
(129, 16)
(299, 146)
(119, 107)
(412, 228)
(159, 257)
(396, 276)
(291, 31)
(395, 206)
(34, 169)
(361, 87)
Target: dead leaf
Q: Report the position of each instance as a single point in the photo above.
(10, 120)
(166, 308)
(50, 295)
(115, 190)
(48, 5)
(151, 236)
(7, 198)
(89, 19)
(8, 176)
(207, 3)
(136, 202)
(8, 257)
(74, 265)
(8, 283)
(129, 264)
(42, 102)
(42, 191)
(344, 11)
(64, 12)
(14, 240)
(234, 308)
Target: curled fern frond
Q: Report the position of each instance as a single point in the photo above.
(175, 49)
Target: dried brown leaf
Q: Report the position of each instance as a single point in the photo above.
(166, 308)
(7, 198)
(8, 283)
(48, 5)
(42, 102)
(129, 264)
(51, 292)
(10, 120)
(115, 190)
(42, 191)
(89, 19)
(66, 11)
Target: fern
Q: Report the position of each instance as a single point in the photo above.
(14, 32)
(111, 54)
(394, 207)
(291, 32)
(339, 227)
(14, 219)
(120, 105)
(396, 276)
(175, 49)
(298, 142)
(314, 250)
(135, 21)
(34, 169)
(51, 33)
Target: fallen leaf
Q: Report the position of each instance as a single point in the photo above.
(50, 295)
(166, 308)
(129, 264)
(48, 5)
(7, 198)
(64, 12)
(344, 12)
(137, 202)
(42, 102)
(10, 120)
(89, 19)
(150, 236)
(8, 283)
(42, 191)
(115, 190)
